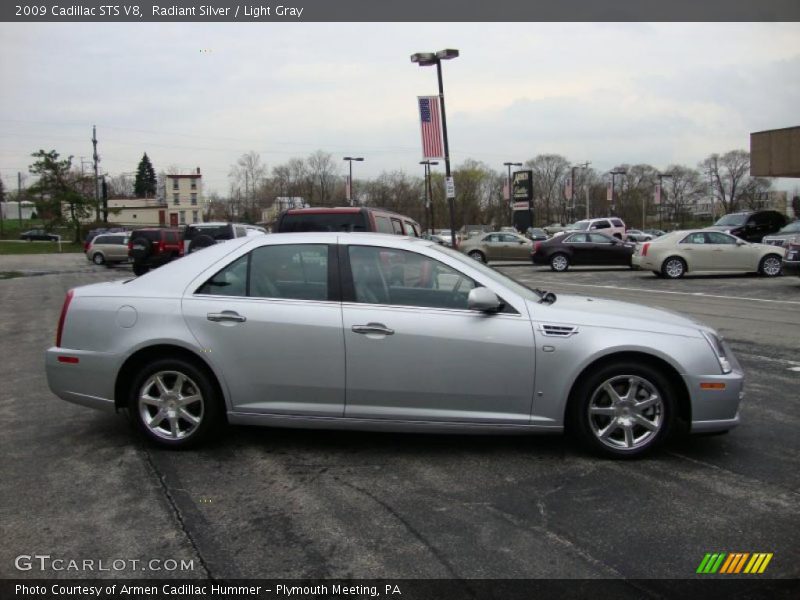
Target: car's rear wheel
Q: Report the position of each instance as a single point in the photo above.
(770, 266)
(559, 262)
(98, 258)
(477, 255)
(673, 267)
(623, 409)
(174, 403)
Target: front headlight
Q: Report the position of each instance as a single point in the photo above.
(719, 351)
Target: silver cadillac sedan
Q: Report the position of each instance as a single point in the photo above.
(375, 332)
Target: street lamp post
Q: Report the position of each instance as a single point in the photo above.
(614, 173)
(429, 190)
(427, 59)
(350, 194)
(510, 195)
(661, 177)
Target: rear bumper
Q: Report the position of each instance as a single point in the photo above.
(89, 382)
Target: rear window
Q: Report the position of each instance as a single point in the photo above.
(171, 237)
(217, 232)
(322, 222)
(617, 223)
(153, 236)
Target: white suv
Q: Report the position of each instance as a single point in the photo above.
(612, 226)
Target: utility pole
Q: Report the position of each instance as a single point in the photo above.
(572, 194)
(19, 197)
(96, 187)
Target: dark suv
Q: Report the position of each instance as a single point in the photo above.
(202, 235)
(153, 247)
(346, 218)
(751, 226)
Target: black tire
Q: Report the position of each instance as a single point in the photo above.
(477, 255)
(658, 274)
(140, 269)
(673, 267)
(180, 426)
(98, 259)
(200, 242)
(559, 262)
(141, 248)
(591, 392)
(770, 266)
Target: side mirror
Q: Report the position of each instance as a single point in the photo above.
(484, 300)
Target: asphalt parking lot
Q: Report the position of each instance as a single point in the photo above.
(291, 503)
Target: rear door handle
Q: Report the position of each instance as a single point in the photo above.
(373, 328)
(226, 315)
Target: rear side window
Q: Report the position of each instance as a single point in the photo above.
(397, 227)
(323, 222)
(102, 239)
(230, 281)
(617, 223)
(241, 232)
(382, 225)
(602, 225)
(411, 229)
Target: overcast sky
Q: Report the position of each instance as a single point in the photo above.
(200, 95)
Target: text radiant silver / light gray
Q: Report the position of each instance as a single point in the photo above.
(377, 332)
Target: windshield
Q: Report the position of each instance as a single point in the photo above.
(791, 228)
(497, 276)
(734, 219)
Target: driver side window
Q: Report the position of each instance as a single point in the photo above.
(403, 278)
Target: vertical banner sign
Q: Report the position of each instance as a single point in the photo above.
(568, 188)
(610, 192)
(430, 119)
(506, 191)
(347, 187)
(657, 198)
(450, 187)
(522, 194)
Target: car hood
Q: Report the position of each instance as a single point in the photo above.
(613, 314)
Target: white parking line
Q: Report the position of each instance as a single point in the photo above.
(616, 287)
(784, 361)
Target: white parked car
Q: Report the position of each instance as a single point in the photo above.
(674, 254)
(613, 226)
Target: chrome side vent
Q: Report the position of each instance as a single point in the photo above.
(558, 330)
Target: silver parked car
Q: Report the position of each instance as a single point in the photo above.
(380, 332)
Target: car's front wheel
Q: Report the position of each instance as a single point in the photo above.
(623, 409)
(559, 263)
(770, 266)
(174, 403)
(98, 258)
(477, 255)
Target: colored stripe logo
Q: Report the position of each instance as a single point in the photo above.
(734, 563)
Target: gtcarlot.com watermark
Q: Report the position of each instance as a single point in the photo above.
(48, 563)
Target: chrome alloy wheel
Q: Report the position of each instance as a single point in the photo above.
(626, 412)
(771, 266)
(171, 405)
(559, 262)
(674, 268)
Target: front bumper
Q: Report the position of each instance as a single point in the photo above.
(791, 267)
(716, 398)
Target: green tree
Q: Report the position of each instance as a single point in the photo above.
(58, 189)
(145, 184)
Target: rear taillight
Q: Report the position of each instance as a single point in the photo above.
(645, 246)
(63, 317)
(536, 247)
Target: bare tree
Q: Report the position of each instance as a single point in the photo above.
(248, 175)
(323, 173)
(728, 173)
(549, 171)
(755, 193)
(120, 186)
(684, 187)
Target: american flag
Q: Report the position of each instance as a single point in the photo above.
(431, 124)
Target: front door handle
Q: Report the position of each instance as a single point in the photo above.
(373, 328)
(226, 315)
